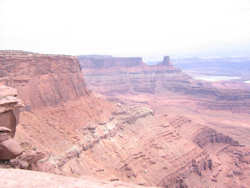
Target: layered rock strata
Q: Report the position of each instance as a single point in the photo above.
(137, 146)
(56, 99)
(42, 80)
(208, 135)
(131, 75)
(112, 76)
(125, 75)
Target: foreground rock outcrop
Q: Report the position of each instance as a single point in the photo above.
(9, 118)
(29, 179)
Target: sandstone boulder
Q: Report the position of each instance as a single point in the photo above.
(9, 116)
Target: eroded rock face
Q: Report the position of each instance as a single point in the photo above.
(9, 117)
(208, 135)
(56, 99)
(42, 80)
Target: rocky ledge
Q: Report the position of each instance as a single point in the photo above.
(9, 117)
(24, 179)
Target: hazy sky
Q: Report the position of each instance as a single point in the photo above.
(124, 27)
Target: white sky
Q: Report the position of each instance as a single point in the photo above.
(123, 27)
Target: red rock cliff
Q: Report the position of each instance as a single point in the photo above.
(42, 80)
(56, 99)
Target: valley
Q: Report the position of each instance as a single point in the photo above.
(106, 120)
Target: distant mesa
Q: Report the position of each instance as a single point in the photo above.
(95, 61)
(102, 61)
(111, 75)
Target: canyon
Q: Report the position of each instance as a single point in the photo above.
(105, 76)
(106, 120)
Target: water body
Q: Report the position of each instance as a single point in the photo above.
(216, 78)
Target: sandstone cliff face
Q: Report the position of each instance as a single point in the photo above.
(42, 80)
(56, 99)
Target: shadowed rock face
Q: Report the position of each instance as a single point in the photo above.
(208, 135)
(9, 117)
